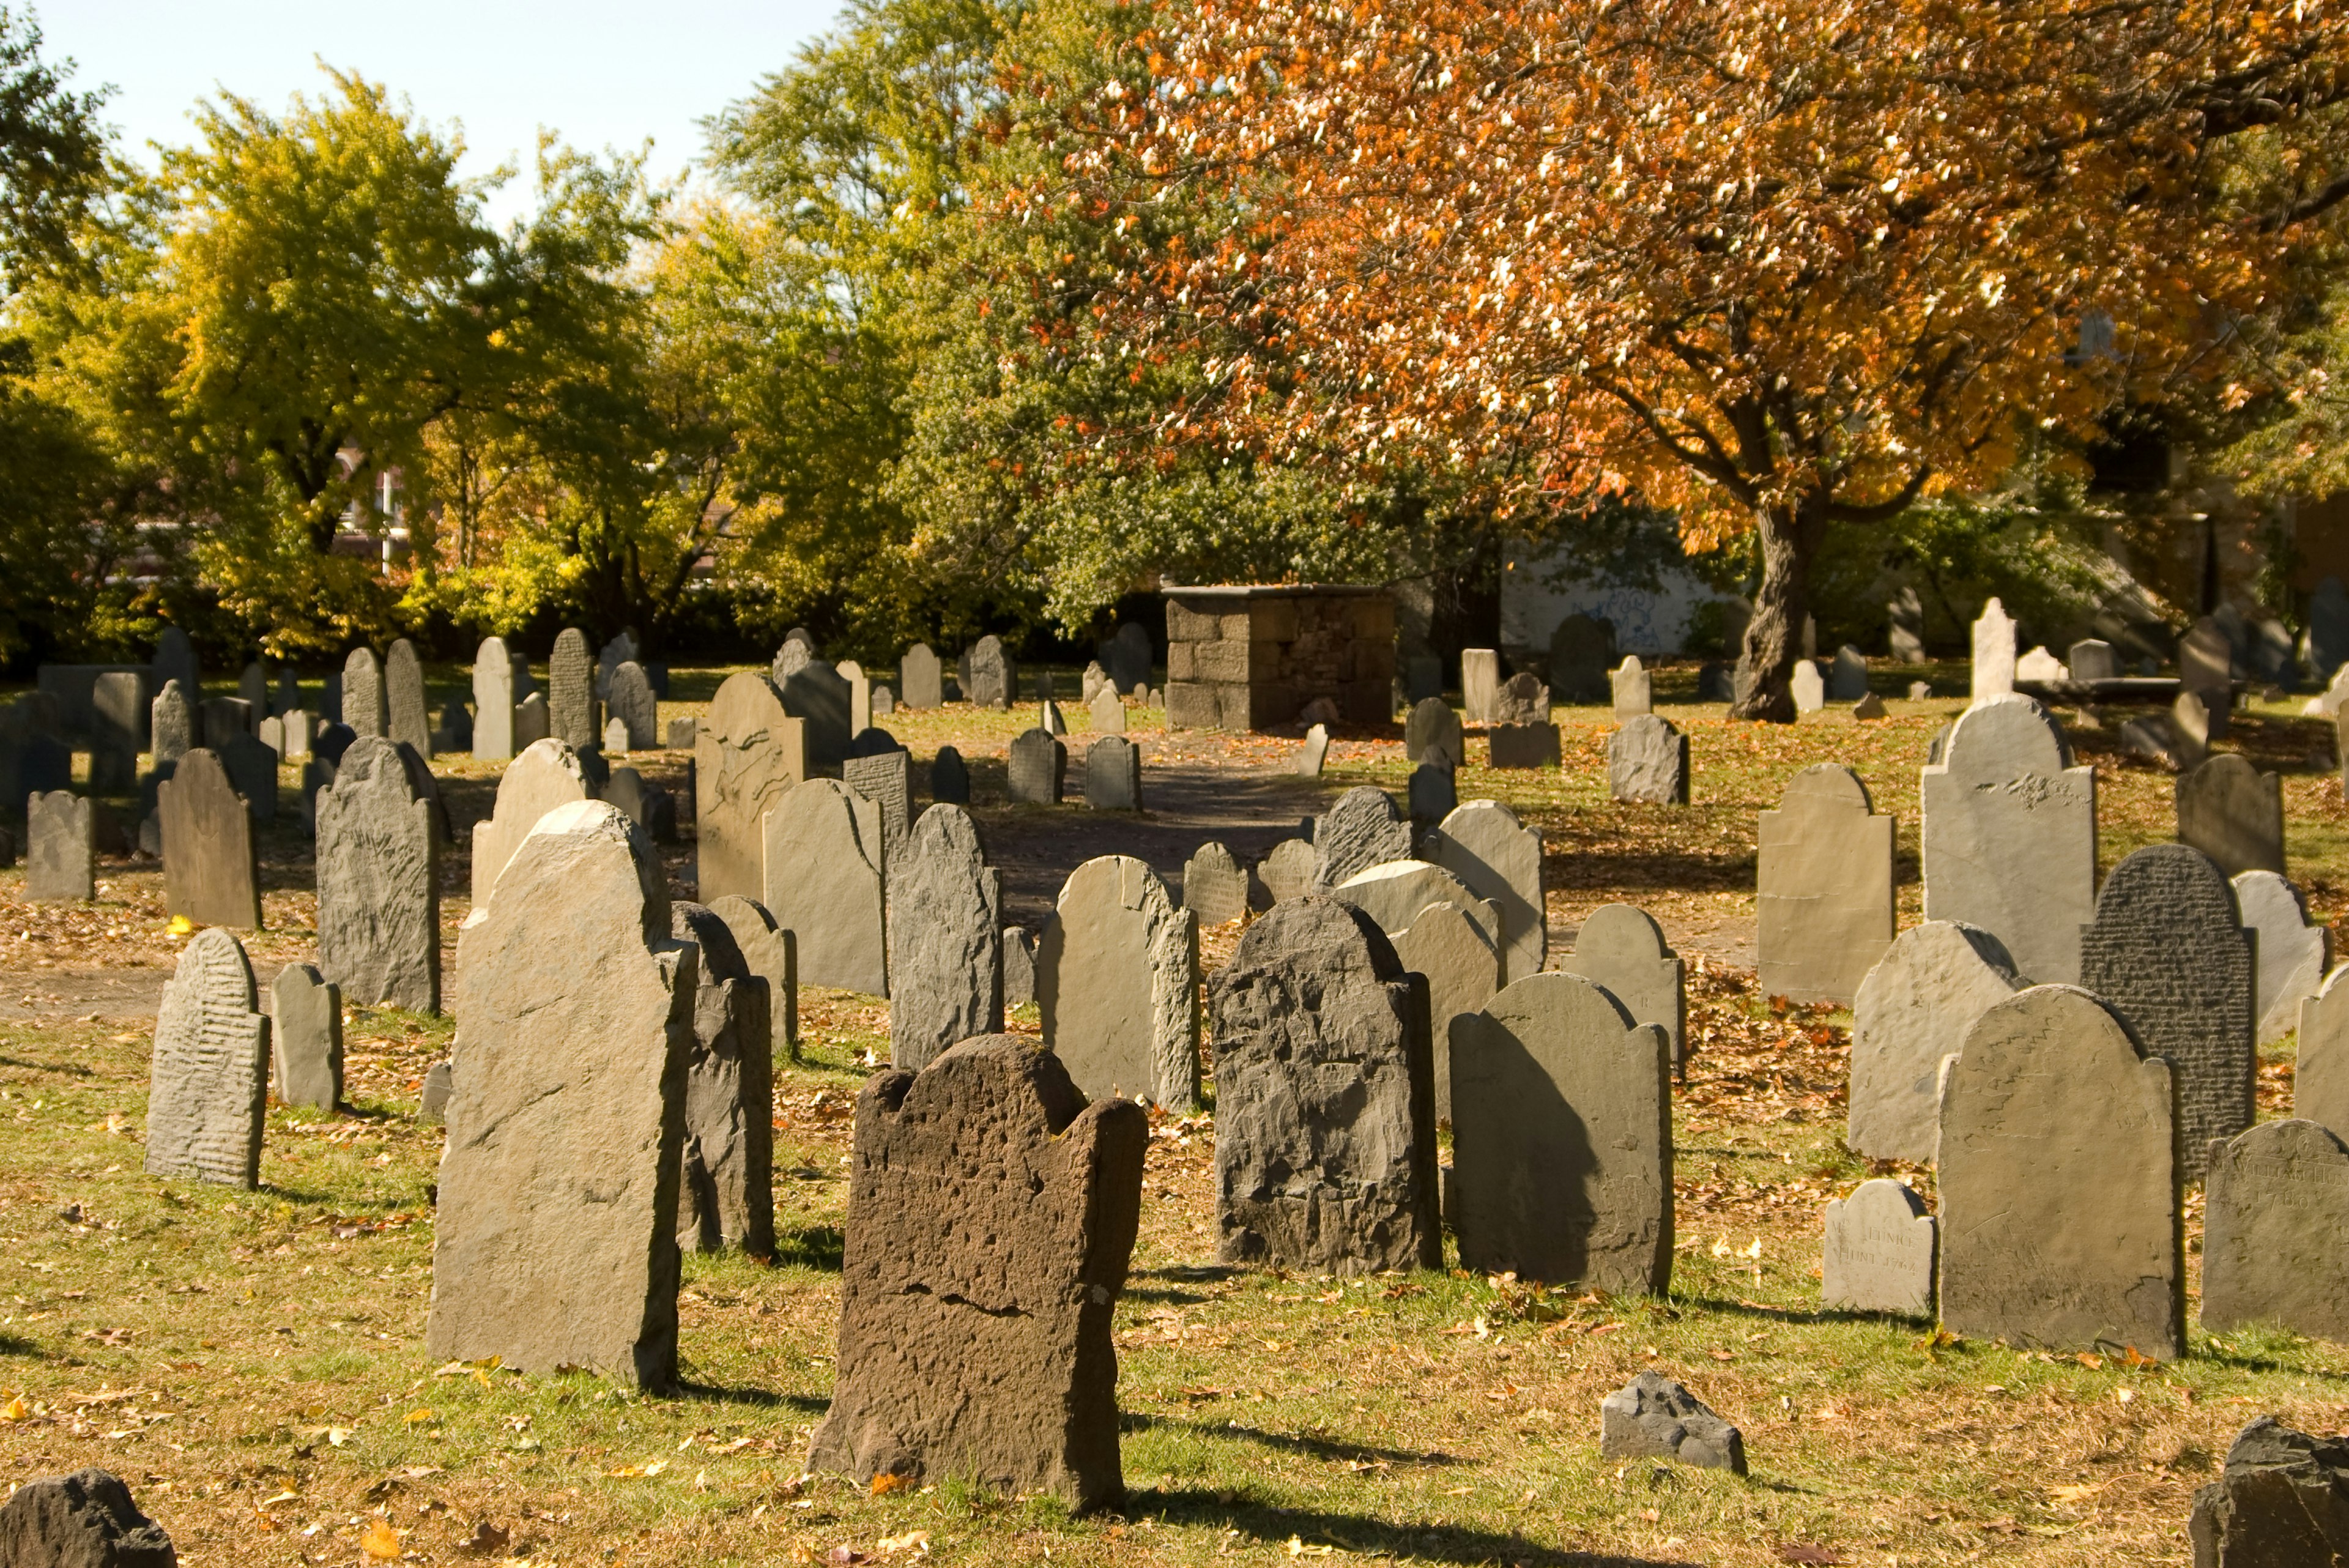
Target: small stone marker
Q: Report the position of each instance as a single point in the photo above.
(2091, 659)
(2059, 1188)
(2292, 954)
(682, 732)
(615, 742)
(989, 677)
(1654, 1418)
(493, 701)
(949, 779)
(2042, 668)
(1648, 761)
(1810, 691)
(1622, 948)
(305, 1034)
(1117, 983)
(1361, 830)
(772, 954)
(532, 722)
(1288, 872)
(547, 774)
(1215, 885)
(1580, 651)
(60, 847)
(2278, 1502)
(1825, 875)
(410, 717)
(635, 707)
(1325, 1123)
(1316, 751)
(826, 884)
(1106, 711)
(2233, 813)
(726, 1187)
(1913, 1011)
(86, 1520)
(367, 707)
(885, 703)
(379, 894)
(1038, 768)
(1869, 707)
(1879, 1251)
(1114, 774)
(1993, 667)
(1431, 731)
(1018, 966)
(946, 948)
(1480, 679)
(1633, 692)
(1847, 679)
(747, 756)
(172, 723)
(1499, 859)
(2010, 836)
(210, 874)
(2277, 1207)
(919, 674)
(2320, 1084)
(1920, 691)
(860, 696)
(1433, 792)
(208, 1082)
(993, 1215)
(572, 710)
(1522, 699)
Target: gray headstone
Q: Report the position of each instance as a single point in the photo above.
(1654, 1418)
(1433, 731)
(681, 733)
(119, 725)
(572, 714)
(1092, 681)
(1809, 688)
(946, 948)
(1993, 648)
(2233, 813)
(1422, 678)
(1716, 681)
(1315, 751)
(2059, 1188)
(1581, 651)
(1362, 829)
(621, 649)
(771, 953)
(532, 722)
(1128, 657)
(1879, 1251)
(885, 778)
(1117, 985)
(949, 779)
(616, 738)
(60, 847)
(1622, 948)
(209, 1083)
(817, 696)
(2280, 1499)
(455, 731)
(1433, 792)
(1114, 774)
(210, 874)
(2093, 660)
(1325, 1116)
(1454, 947)
(1018, 966)
(547, 774)
(1913, 1011)
(1825, 875)
(747, 754)
(2328, 628)
(252, 685)
(1480, 680)
(1634, 693)
(826, 884)
(635, 707)
(1847, 679)
(175, 659)
(918, 673)
(2205, 659)
(988, 675)
(252, 770)
(172, 722)
(1288, 872)
(1038, 769)
(981, 1347)
(223, 718)
(367, 705)
(2272, 1228)
(1523, 745)
(1905, 638)
(1499, 859)
(793, 656)
(1648, 761)
(2010, 836)
(305, 1034)
(554, 1236)
(884, 702)
(2319, 1088)
(1522, 699)
(403, 683)
(2293, 954)
(1107, 712)
(2191, 725)
(1215, 885)
(272, 734)
(378, 893)
(726, 1191)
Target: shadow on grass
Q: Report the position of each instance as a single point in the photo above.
(15, 1345)
(1368, 1536)
(757, 1398)
(811, 1247)
(62, 1068)
(1288, 1443)
(1731, 1307)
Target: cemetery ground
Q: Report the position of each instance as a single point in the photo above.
(252, 1363)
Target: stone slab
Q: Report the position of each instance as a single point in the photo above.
(726, 1161)
(1622, 948)
(2275, 1215)
(1648, 761)
(208, 1085)
(748, 754)
(306, 1035)
(1523, 746)
(2233, 813)
(60, 847)
(1361, 830)
(1654, 1418)
(1879, 1251)
(547, 774)
(825, 882)
(1913, 1011)
(210, 874)
(1117, 982)
(2292, 954)
(1825, 875)
(945, 945)
(771, 953)
(379, 883)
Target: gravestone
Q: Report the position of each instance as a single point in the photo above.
(2328, 628)
(645, 804)
(885, 703)
(2059, 1188)
(770, 954)
(1809, 689)
(2205, 659)
(795, 655)
(1648, 761)
(207, 1086)
(1847, 679)
(988, 676)
(1869, 708)
(1315, 751)
(635, 707)
(748, 755)
(2168, 953)
(572, 714)
(306, 1035)
(1879, 1251)
(555, 1235)
(1523, 745)
(378, 896)
(1499, 859)
(210, 874)
(60, 847)
(119, 707)
(1633, 692)
(532, 722)
(367, 706)
(949, 779)
(726, 1163)
(2277, 1210)
(172, 723)
(175, 659)
(2320, 1085)
(681, 733)
(1993, 648)
(454, 732)
(1114, 774)
(883, 773)
(1395, 892)
(1106, 711)
(252, 770)
(1581, 651)
(615, 742)
(1288, 872)
(945, 947)
(2091, 659)
(817, 696)
(1825, 875)
(1480, 680)
(2292, 955)
(1117, 985)
(223, 719)
(1325, 1115)
(1091, 683)
(1432, 730)
(1654, 1418)
(1038, 768)
(619, 651)
(1362, 829)
(2010, 836)
(2190, 728)
(918, 673)
(1433, 792)
(1904, 634)
(1215, 885)
(1453, 946)
(86, 1520)
(1522, 699)
(1050, 721)
(2233, 813)
(1018, 966)
(1912, 1013)
(993, 1215)
(547, 774)
(2042, 666)
(1621, 948)
(1422, 678)
(493, 701)
(410, 717)
(826, 884)
(1127, 657)
(1562, 1142)
(2279, 1500)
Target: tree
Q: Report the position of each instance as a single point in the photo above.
(1783, 268)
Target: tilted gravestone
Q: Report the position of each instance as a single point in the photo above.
(1431, 731)
(1648, 761)
(1215, 885)
(60, 847)
(1847, 679)
(748, 755)
(1038, 768)
(1114, 774)
(635, 706)
(547, 774)
(1049, 718)
(726, 1163)
(1993, 648)
(989, 677)
(1484, 844)
(1288, 872)
(86, 1520)
(493, 701)
(1879, 1251)
(305, 1036)
(2233, 813)
(2292, 955)
(379, 891)
(555, 1235)
(992, 1218)
(2058, 1182)
(2008, 835)
(172, 723)
(2280, 1499)
(1581, 651)
(918, 672)
(1632, 688)
(1117, 985)
(817, 696)
(1522, 699)
(1562, 1141)
(410, 715)
(2277, 1209)
(1622, 948)
(2320, 1084)
(1480, 680)
(949, 778)
(2166, 951)
(1825, 879)
(772, 954)
(1315, 751)
(1107, 712)
(119, 707)
(2187, 733)
(209, 1083)
(826, 882)
(1325, 1114)
(210, 874)
(572, 714)
(367, 706)
(1362, 829)
(945, 945)
(1809, 688)
(1913, 1011)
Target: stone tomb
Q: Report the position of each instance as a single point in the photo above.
(1621, 948)
(919, 673)
(367, 707)
(2273, 1230)
(306, 1032)
(1433, 731)
(1361, 830)
(945, 947)
(826, 884)
(1114, 774)
(1036, 770)
(409, 716)
(493, 701)
(1913, 1011)
(1215, 885)
(1117, 985)
(1648, 760)
(1633, 690)
(1993, 646)
(572, 714)
(1256, 657)
(726, 1163)
(2010, 836)
(60, 847)
(1879, 1251)
(209, 1083)
(2292, 954)
(210, 874)
(1499, 858)
(547, 774)
(379, 894)
(772, 953)
(1825, 882)
(748, 755)
(2233, 813)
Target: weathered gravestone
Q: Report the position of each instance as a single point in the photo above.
(1107, 712)
(881, 771)
(2328, 628)
(2233, 813)
(86, 1520)
(1993, 648)
(946, 948)
(1499, 858)
(221, 718)
(210, 874)
(748, 755)
(1581, 651)
(1648, 760)
(2092, 658)
(2320, 1084)
(949, 779)
(2281, 1500)
(1038, 768)
(1288, 872)
(1879, 1251)
(253, 769)
(1905, 628)
(2167, 952)
(2187, 732)
(1847, 679)
(2058, 1182)
(1522, 746)
(1433, 731)
(208, 1083)
(306, 1035)
(1362, 829)
(1441, 931)
(60, 847)
(2292, 955)
(1522, 699)
(1093, 681)
(726, 1163)
(172, 723)
(647, 804)
(635, 706)
(547, 774)
(681, 733)
(1215, 885)
(795, 655)
(1018, 966)
(987, 674)
(493, 701)
(2042, 666)
(919, 675)
(554, 1236)
(1325, 1114)
(366, 706)
(175, 659)
(1825, 881)
(772, 954)
(1621, 948)
(1654, 1418)
(1913, 1011)
(616, 738)
(2010, 836)
(2276, 1213)
(1562, 1140)
(1315, 751)
(572, 714)
(992, 1216)
(120, 704)
(1480, 679)
(532, 722)
(1433, 792)
(620, 651)
(1422, 678)
(1114, 774)
(379, 894)
(825, 882)
(2206, 660)
(1809, 689)
(410, 717)
(817, 696)
(1117, 985)
(1633, 690)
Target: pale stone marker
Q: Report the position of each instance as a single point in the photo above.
(2233, 813)
(2092, 658)
(1847, 679)
(410, 718)
(992, 1216)
(60, 847)
(1825, 874)
(379, 894)
(532, 723)
(1453, 946)
(1499, 858)
(1810, 691)
(1522, 699)
(208, 1082)
(1431, 730)
(918, 672)
(1114, 774)
(1117, 985)
(172, 723)
(616, 738)
(547, 774)
(1633, 692)
(1106, 711)
(860, 696)
(1580, 651)
(635, 707)
(1480, 679)
(2043, 667)
(1325, 1115)
(989, 677)
(572, 714)
(1362, 829)
(2059, 1187)
(826, 884)
(1215, 885)
(210, 874)
(748, 755)
(1036, 770)
(949, 779)
(946, 948)
(305, 1033)
(1879, 1251)
(1288, 872)
(1315, 751)
(1621, 948)
(1913, 1011)
(493, 701)
(726, 1191)
(367, 707)
(1018, 966)
(2320, 1084)
(772, 954)
(1648, 761)
(2189, 732)
(1993, 646)
(1090, 683)
(2292, 954)
(2272, 1231)
(1562, 1141)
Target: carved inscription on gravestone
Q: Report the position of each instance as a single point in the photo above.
(208, 1082)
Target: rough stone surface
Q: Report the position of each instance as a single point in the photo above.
(1993, 667)
(2059, 1188)
(795, 655)
(367, 706)
(946, 946)
(2166, 951)
(1315, 751)
(1038, 769)
(2276, 1214)
(1362, 829)
(1431, 731)
(532, 723)
(748, 754)
(886, 779)
(1395, 892)
(207, 1086)
(1451, 947)
(1480, 680)
(1648, 760)
(493, 701)
(918, 672)
(410, 717)
(1562, 1142)
(1581, 651)
(572, 710)
(1215, 885)
(1325, 1114)
(1633, 690)
(772, 953)
(1622, 948)
(992, 1216)
(635, 706)
(547, 774)
(1288, 872)
(987, 674)
(1127, 657)
(554, 1240)
(2320, 1075)
(86, 1520)
(1523, 745)
(1654, 1418)
(378, 896)
(1499, 858)
(726, 1162)
(60, 847)
(2292, 954)
(1913, 1011)
(1522, 699)
(1869, 707)
(1018, 966)
(2010, 836)
(2039, 665)
(826, 884)
(1826, 879)
(1809, 688)
(949, 779)
(305, 1033)
(1879, 1251)
(210, 874)
(2280, 1502)
(1114, 774)
(2233, 813)
(816, 694)
(172, 723)
(1117, 985)
(1848, 677)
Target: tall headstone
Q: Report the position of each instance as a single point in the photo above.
(1904, 634)
(988, 677)
(2233, 813)
(1499, 859)
(1633, 690)
(1581, 651)
(2010, 836)
(1993, 668)
(118, 724)
(60, 847)
(1433, 731)
(210, 874)
(2205, 659)
(1018, 966)
(635, 706)
(1114, 774)
(945, 945)
(172, 723)
(1315, 751)
(825, 882)
(918, 673)
(403, 683)
(1362, 829)
(1826, 879)
(726, 1163)
(1879, 1251)
(772, 954)
(817, 696)
(1456, 949)
(1038, 768)
(367, 705)
(1127, 657)
(1288, 872)
(1562, 1138)
(881, 771)
(306, 1035)
(1215, 885)
(949, 779)
(1648, 761)
(2292, 954)
(378, 893)
(1913, 1011)
(1049, 719)
(2273, 1230)
(207, 1086)
(1480, 679)
(992, 1216)
(1621, 948)
(2320, 1085)
(572, 714)
(1809, 688)
(547, 774)
(2168, 953)
(1117, 985)
(2091, 659)
(1847, 678)
(493, 701)
(175, 659)
(748, 755)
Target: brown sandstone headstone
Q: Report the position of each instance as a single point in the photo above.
(1879, 1251)
(378, 890)
(1913, 1011)
(208, 1082)
(748, 755)
(726, 1194)
(1622, 948)
(1117, 985)
(826, 884)
(945, 947)
(1826, 881)
(2275, 1231)
(210, 874)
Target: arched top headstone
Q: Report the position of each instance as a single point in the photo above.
(1999, 737)
(1827, 787)
(2184, 885)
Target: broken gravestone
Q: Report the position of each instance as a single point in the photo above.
(86, 1520)
(208, 1082)
(1879, 1251)
(2280, 1502)
(1654, 1418)
(726, 1163)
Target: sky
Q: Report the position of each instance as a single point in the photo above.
(601, 73)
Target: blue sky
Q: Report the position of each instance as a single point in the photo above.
(600, 72)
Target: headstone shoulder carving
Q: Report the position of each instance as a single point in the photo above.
(208, 1083)
(1117, 983)
(1824, 880)
(945, 951)
(2277, 1209)
(1912, 1013)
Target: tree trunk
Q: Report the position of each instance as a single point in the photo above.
(1773, 638)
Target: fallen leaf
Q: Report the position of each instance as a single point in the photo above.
(2076, 1493)
(2089, 1359)
(15, 1410)
(379, 1542)
(1297, 1548)
(885, 1484)
(486, 1539)
(423, 1417)
(913, 1540)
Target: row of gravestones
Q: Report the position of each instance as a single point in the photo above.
(1647, 755)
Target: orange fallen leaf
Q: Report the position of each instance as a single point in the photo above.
(379, 1542)
(884, 1484)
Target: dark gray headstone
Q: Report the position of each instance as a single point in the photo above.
(1433, 792)
(253, 769)
(949, 779)
(60, 847)
(1716, 681)
(1913, 1011)
(1622, 949)
(1654, 1418)
(119, 725)
(817, 696)
(1648, 761)
(175, 659)
(1114, 774)
(1018, 966)
(86, 1520)
(378, 893)
(224, 717)
(1038, 768)
(989, 678)
(635, 706)
(826, 884)
(454, 732)
(1582, 652)
(1847, 678)
(306, 1035)
(1522, 699)
(946, 959)
(885, 778)
(1498, 858)
(1422, 678)
(772, 953)
(726, 1167)
(2281, 1500)
(1904, 634)
(367, 706)
(1523, 745)
(1432, 730)
(572, 711)
(918, 672)
(403, 685)
(2277, 1211)
(1362, 829)
(210, 874)
(208, 1082)
(2233, 813)
(532, 723)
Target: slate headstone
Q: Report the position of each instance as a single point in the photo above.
(367, 705)
(772, 954)
(252, 686)
(1993, 650)
(1480, 680)
(949, 779)
(172, 722)
(207, 1086)
(1128, 656)
(1038, 768)
(1114, 774)
(635, 706)
(885, 778)
(305, 1036)
(1433, 792)
(410, 719)
(1422, 678)
(1825, 875)
(2292, 954)
(572, 714)
(945, 947)
(1288, 872)
(918, 673)
(118, 722)
(1499, 858)
(1523, 746)
(1362, 829)
(223, 719)
(210, 874)
(1648, 761)
(2091, 659)
(379, 891)
(1633, 690)
(1432, 730)
(532, 722)
(175, 659)
(2276, 1210)
(1018, 966)
(547, 774)
(989, 677)
(60, 847)
(1654, 1418)
(1581, 651)
(86, 1520)
(747, 754)
(1847, 678)
(1879, 1251)
(817, 695)
(825, 882)
(1622, 948)
(1215, 885)
(2233, 813)
(1117, 985)
(1913, 1011)
(726, 1163)
(2281, 1500)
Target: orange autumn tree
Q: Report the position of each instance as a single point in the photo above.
(1785, 265)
